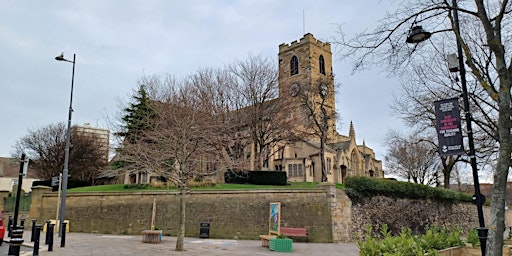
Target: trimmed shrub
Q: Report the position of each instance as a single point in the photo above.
(236, 177)
(267, 177)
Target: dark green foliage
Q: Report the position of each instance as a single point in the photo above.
(71, 183)
(137, 186)
(407, 244)
(236, 177)
(360, 187)
(137, 116)
(114, 165)
(473, 238)
(267, 177)
(256, 177)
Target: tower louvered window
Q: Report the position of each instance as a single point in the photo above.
(294, 65)
(322, 64)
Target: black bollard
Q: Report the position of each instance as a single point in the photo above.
(9, 226)
(14, 243)
(14, 247)
(33, 230)
(47, 238)
(63, 235)
(50, 235)
(37, 235)
(22, 224)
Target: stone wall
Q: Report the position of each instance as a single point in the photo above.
(327, 212)
(231, 214)
(416, 214)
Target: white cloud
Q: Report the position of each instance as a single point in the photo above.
(117, 41)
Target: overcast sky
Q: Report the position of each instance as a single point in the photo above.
(118, 41)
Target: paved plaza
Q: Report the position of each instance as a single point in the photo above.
(81, 244)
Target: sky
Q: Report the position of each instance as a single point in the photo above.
(116, 42)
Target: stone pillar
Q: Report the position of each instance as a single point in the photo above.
(3, 195)
(340, 207)
(36, 201)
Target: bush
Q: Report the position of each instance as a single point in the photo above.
(256, 177)
(71, 184)
(360, 187)
(236, 177)
(267, 177)
(407, 244)
(137, 186)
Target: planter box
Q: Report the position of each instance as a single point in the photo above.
(281, 245)
(469, 251)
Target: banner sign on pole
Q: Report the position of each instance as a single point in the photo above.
(449, 131)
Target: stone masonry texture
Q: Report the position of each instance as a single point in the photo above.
(328, 213)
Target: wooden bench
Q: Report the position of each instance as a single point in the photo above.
(295, 232)
(265, 239)
(151, 236)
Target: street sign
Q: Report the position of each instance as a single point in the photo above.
(25, 167)
(55, 181)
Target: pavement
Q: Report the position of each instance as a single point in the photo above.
(81, 244)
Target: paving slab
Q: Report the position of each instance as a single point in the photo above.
(82, 244)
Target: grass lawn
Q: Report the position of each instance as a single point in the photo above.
(122, 187)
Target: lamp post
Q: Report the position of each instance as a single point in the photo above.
(417, 35)
(66, 154)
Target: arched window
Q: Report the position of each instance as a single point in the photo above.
(322, 64)
(294, 65)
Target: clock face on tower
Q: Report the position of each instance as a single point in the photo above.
(294, 90)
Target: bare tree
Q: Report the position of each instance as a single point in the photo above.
(182, 140)
(254, 83)
(45, 148)
(315, 106)
(483, 42)
(412, 158)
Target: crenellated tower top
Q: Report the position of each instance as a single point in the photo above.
(308, 38)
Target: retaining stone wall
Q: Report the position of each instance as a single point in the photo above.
(327, 212)
(231, 214)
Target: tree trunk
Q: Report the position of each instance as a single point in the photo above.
(181, 228)
(322, 157)
(497, 221)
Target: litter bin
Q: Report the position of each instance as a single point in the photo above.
(204, 230)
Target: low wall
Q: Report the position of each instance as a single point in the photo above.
(231, 214)
(327, 212)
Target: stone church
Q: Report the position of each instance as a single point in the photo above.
(304, 63)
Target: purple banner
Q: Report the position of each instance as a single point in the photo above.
(449, 131)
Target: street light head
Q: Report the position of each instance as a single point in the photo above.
(60, 57)
(417, 35)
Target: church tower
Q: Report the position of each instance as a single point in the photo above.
(306, 65)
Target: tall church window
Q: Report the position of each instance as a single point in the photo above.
(322, 64)
(294, 65)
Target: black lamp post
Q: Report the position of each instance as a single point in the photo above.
(66, 156)
(417, 35)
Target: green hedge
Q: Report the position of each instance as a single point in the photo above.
(256, 177)
(267, 177)
(71, 184)
(236, 177)
(360, 187)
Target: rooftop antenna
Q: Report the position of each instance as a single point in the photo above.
(303, 23)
